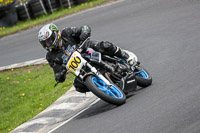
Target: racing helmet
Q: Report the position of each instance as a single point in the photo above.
(49, 37)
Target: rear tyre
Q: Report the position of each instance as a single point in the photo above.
(143, 78)
(111, 94)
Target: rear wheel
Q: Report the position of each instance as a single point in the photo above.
(111, 94)
(143, 78)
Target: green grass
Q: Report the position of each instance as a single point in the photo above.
(48, 18)
(27, 91)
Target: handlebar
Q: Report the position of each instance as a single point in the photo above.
(83, 43)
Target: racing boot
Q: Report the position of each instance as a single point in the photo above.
(126, 55)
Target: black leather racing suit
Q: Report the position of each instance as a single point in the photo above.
(73, 36)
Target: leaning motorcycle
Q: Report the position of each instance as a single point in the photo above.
(109, 78)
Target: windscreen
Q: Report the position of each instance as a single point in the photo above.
(70, 49)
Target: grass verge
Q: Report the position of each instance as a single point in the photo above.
(25, 92)
(49, 17)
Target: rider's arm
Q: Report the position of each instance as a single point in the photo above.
(82, 32)
(59, 69)
(85, 32)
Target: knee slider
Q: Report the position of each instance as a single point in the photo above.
(80, 87)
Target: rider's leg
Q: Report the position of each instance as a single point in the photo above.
(112, 50)
(79, 86)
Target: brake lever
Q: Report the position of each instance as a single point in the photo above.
(56, 84)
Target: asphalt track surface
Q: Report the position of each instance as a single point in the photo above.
(165, 35)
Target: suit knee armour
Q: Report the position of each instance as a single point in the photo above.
(103, 47)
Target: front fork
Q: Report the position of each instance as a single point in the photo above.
(98, 74)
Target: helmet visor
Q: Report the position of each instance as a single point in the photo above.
(48, 42)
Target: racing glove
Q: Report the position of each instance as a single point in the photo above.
(84, 35)
(60, 76)
(85, 32)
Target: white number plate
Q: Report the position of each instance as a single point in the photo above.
(75, 63)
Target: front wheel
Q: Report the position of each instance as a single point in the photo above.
(111, 94)
(143, 78)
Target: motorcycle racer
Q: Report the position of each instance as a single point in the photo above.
(56, 42)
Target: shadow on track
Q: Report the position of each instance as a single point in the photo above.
(98, 108)
(101, 106)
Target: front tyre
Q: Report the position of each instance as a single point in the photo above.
(143, 78)
(111, 94)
